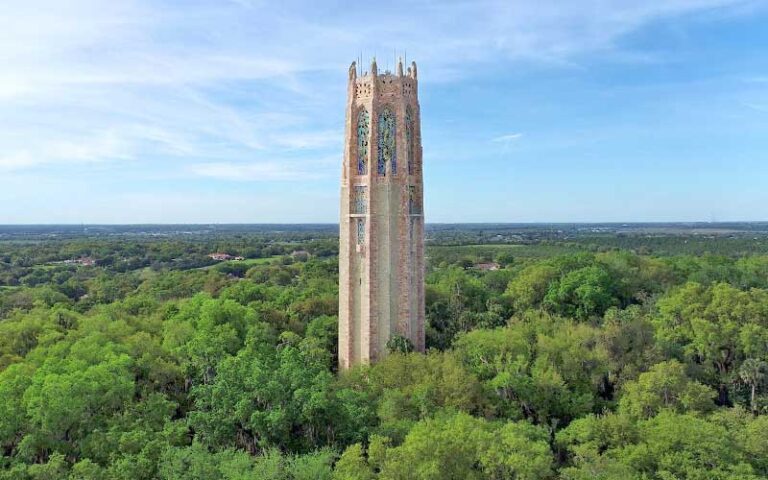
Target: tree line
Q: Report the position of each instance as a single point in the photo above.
(559, 365)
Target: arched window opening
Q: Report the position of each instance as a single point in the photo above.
(360, 231)
(363, 129)
(409, 149)
(386, 143)
(414, 205)
(360, 200)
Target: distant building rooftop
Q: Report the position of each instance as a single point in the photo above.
(487, 267)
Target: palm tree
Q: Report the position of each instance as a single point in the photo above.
(753, 372)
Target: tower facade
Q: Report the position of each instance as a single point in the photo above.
(381, 256)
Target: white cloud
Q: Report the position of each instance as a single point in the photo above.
(100, 147)
(511, 137)
(260, 172)
(17, 161)
(310, 140)
(756, 107)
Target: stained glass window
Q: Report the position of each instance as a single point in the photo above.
(386, 142)
(363, 128)
(414, 206)
(360, 231)
(409, 152)
(361, 200)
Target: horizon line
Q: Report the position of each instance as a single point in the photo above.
(595, 222)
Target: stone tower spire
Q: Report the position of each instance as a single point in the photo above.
(381, 256)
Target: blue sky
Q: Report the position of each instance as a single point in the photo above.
(532, 111)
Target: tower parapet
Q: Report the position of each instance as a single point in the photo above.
(387, 83)
(381, 257)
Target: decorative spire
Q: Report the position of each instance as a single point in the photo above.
(413, 70)
(400, 67)
(374, 70)
(353, 71)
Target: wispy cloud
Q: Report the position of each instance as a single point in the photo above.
(100, 147)
(254, 172)
(756, 79)
(507, 140)
(510, 137)
(304, 140)
(756, 107)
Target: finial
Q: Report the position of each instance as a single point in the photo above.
(413, 70)
(400, 67)
(374, 70)
(353, 71)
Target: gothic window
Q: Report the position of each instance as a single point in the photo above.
(409, 151)
(360, 231)
(386, 142)
(363, 128)
(360, 200)
(414, 206)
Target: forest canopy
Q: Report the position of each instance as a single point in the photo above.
(600, 358)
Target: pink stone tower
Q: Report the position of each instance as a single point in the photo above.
(381, 256)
